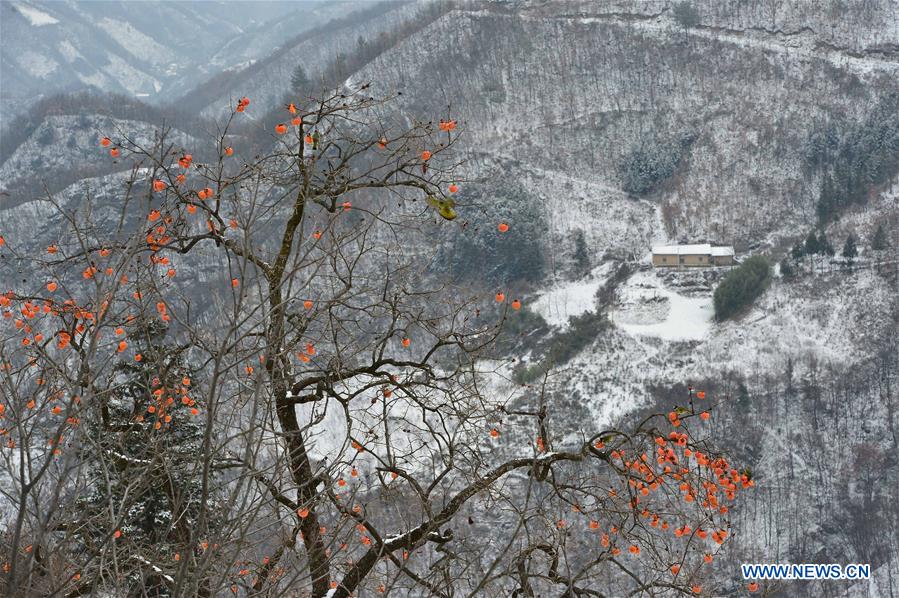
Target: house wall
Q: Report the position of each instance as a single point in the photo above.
(690, 261)
(664, 261)
(695, 260)
(724, 260)
(683, 261)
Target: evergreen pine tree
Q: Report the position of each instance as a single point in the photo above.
(299, 81)
(849, 249)
(145, 473)
(581, 256)
(812, 246)
(826, 201)
(879, 241)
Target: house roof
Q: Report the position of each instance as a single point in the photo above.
(705, 249)
(699, 249)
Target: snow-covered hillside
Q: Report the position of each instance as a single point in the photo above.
(576, 90)
(72, 143)
(269, 80)
(155, 50)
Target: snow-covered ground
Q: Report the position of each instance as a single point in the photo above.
(831, 317)
(648, 308)
(561, 302)
(39, 65)
(882, 584)
(664, 332)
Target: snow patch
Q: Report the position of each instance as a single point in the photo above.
(156, 569)
(566, 300)
(37, 18)
(97, 79)
(37, 64)
(570, 299)
(650, 309)
(137, 43)
(132, 79)
(68, 51)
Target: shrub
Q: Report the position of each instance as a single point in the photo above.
(741, 287)
(525, 374)
(582, 330)
(521, 332)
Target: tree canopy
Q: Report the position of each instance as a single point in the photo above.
(741, 287)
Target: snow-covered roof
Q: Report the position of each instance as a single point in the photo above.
(704, 249)
(699, 249)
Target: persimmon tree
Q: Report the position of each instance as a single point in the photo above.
(245, 374)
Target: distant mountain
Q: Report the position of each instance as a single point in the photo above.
(322, 51)
(56, 141)
(76, 149)
(150, 50)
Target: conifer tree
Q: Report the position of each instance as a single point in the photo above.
(812, 246)
(299, 81)
(143, 466)
(879, 241)
(581, 255)
(849, 249)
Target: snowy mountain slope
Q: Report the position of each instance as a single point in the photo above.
(154, 50)
(803, 386)
(611, 221)
(578, 93)
(886, 579)
(269, 80)
(35, 224)
(664, 331)
(278, 30)
(68, 143)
